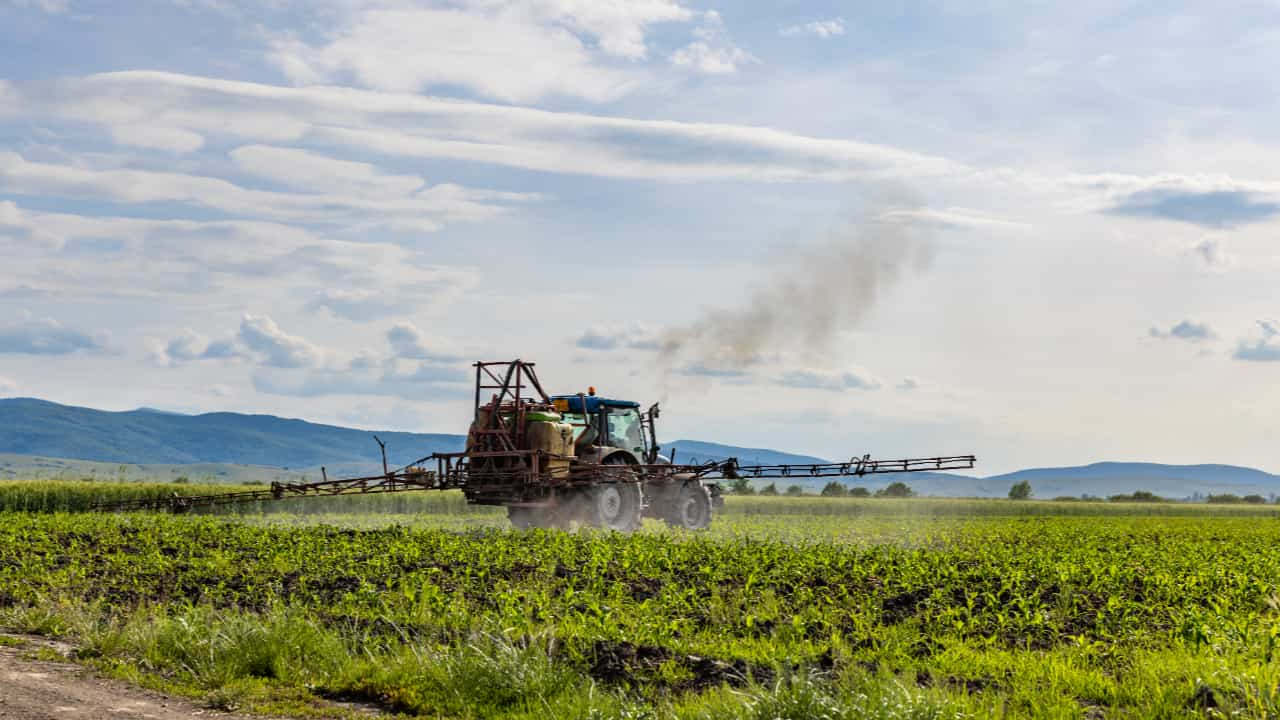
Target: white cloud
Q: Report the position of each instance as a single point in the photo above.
(53, 7)
(7, 386)
(952, 217)
(619, 28)
(1264, 348)
(18, 175)
(155, 137)
(307, 170)
(1212, 252)
(189, 346)
(712, 53)
(408, 342)
(46, 336)
(274, 347)
(826, 379)
(909, 383)
(818, 28)
(401, 125)
(1188, 330)
(493, 55)
(635, 336)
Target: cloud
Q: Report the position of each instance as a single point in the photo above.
(1212, 252)
(710, 371)
(1218, 209)
(49, 337)
(307, 170)
(821, 379)
(53, 7)
(952, 217)
(636, 336)
(274, 347)
(1185, 330)
(712, 53)
(404, 125)
(7, 386)
(495, 55)
(818, 28)
(155, 137)
(18, 175)
(1265, 348)
(408, 342)
(909, 383)
(190, 346)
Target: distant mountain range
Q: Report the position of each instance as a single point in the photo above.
(52, 439)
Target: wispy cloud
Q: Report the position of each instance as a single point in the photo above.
(1188, 330)
(1264, 348)
(46, 336)
(817, 28)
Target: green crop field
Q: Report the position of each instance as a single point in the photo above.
(787, 608)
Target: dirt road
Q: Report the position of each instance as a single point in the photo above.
(41, 690)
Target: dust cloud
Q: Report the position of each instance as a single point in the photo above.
(818, 292)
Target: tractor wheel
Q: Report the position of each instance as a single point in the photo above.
(615, 506)
(692, 508)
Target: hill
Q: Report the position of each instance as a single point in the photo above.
(38, 427)
(40, 437)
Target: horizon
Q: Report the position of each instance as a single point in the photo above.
(724, 443)
(1038, 235)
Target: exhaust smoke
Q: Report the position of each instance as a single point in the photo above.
(827, 289)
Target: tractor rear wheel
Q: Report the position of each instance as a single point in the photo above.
(691, 509)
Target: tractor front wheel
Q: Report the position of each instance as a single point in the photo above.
(615, 506)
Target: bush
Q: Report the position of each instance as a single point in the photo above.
(859, 492)
(1020, 491)
(770, 489)
(834, 489)
(896, 490)
(1224, 499)
(795, 490)
(1139, 496)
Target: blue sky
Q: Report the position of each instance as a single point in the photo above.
(1043, 233)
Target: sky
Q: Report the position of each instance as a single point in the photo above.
(1042, 233)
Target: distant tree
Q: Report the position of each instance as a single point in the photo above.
(896, 490)
(834, 489)
(1254, 499)
(1224, 499)
(1067, 498)
(1139, 496)
(181, 480)
(795, 490)
(1020, 491)
(741, 486)
(859, 492)
(770, 489)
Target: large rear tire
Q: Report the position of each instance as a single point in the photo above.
(691, 509)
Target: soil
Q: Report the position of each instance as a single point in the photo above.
(43, 690)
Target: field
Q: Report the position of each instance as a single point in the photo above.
(788, 608)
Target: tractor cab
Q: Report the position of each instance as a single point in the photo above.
(603, 426)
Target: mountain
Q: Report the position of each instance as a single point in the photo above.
(1110, 478)
(37, 427)
(694, 451)
(37, 436)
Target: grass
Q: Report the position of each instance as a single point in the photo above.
(788, 608)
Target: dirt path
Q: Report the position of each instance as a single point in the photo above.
(42, 690)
